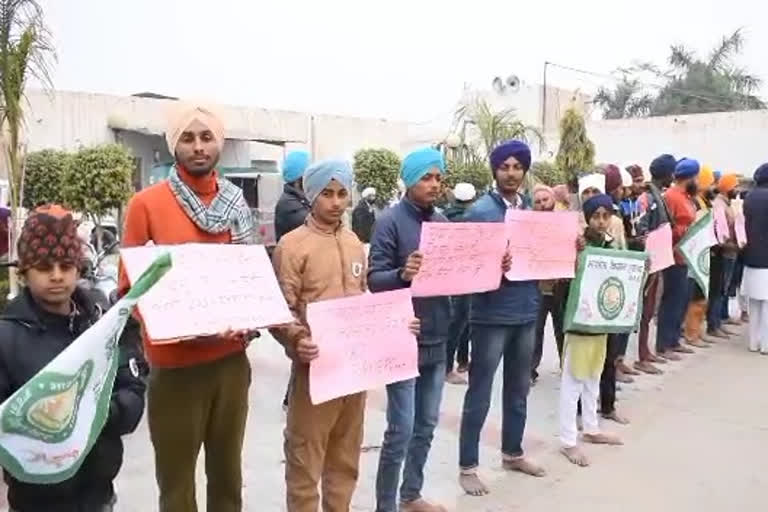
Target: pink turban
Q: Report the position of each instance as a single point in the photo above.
(561, 194)
(184, 114)
(540, 188)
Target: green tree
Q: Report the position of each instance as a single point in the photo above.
(380, 169)
(690, 84)
(576, 152)
(626, 100)
(99, 180)
(476, 172)
(25, 52)
(44, 173)
(492, 126)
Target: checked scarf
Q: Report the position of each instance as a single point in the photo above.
(227, 212)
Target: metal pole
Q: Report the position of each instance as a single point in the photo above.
(544, 108)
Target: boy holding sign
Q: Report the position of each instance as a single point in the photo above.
(320, 260)
(584, 356)
(40, 323)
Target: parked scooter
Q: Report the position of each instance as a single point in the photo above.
(100, 273)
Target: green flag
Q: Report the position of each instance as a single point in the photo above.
(695, 248)
(606, 295)
(48, 426)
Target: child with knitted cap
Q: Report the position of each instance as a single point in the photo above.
(584, 356)
(36, 326)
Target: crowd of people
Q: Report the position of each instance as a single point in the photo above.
(197, 391)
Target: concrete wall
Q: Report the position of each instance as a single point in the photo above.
(729, 141)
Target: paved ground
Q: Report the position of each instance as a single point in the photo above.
(698, 442)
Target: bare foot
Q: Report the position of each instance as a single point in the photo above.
(718, 333)
(647, 367)
(626, 369)
(615, 416)
(697, 344)
(653, 358)
(623, 378)
(472, 485)
(455, 378)
(707, 338)
(523, 465)
(462, 368)
(603, 438)
(670, 356)
(575, 455)
(680, 349)
(420, 505)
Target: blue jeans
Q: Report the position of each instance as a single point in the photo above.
(515, 343)
(673, 306)
(457, 346)
(413, 410)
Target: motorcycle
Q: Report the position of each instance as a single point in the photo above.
(100, 273)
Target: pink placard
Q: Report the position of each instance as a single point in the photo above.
(542, 244)
(658, 244)
(460, 258)
(722, 231)
(740, 227)
(209, 289)
(364, 343)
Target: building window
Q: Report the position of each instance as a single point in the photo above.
(264, 165)
(137, 174)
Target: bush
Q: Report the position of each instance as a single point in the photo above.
(548, 174)
(476, 173)
(99, 180)
(577, 152)
(44, 177)
(380, 169)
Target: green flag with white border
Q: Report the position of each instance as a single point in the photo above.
(606, 295)
(48, 426)
(695, 248)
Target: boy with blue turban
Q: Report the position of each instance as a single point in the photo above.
(503, 326)
(292, 207)
(320, 260)
(681, 208)
(394, 262)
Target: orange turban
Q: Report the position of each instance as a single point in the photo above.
(727, 183)
(184, 114)
(706, 177)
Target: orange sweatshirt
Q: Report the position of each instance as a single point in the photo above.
(155, 214)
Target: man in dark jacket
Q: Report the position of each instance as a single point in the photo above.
(652, 215)
(292, 207)
(48, 315)
(756, 261)
(413, 406)
(503, 324)
(364, 216)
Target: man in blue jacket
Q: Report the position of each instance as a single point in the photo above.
(503, 324)
(413, 405)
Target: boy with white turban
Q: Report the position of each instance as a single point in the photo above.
(198, 389)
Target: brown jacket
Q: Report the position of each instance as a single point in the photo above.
(312, 264)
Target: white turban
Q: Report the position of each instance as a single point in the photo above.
(369, 192)
(592, 181)
(184, 114)
(464, 192)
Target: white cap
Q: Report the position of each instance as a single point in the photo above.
(369, 192)
(626, 178)
(464, 192)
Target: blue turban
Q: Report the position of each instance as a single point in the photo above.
(687, 168)
(420, 162)
(718, 175)
(515, 148)
(592, 204)
(320, 174)
(761, 175)
(294, 165)
(663, 167)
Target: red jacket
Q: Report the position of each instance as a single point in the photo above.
(682, 214)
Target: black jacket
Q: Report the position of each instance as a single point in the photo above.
(756, 218)
(363, 219)
(291, 210)
(29, 339)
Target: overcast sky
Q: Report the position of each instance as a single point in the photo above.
(397, 59)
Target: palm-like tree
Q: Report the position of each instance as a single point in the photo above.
(493, 127)
(25, 52)
(690, 85)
